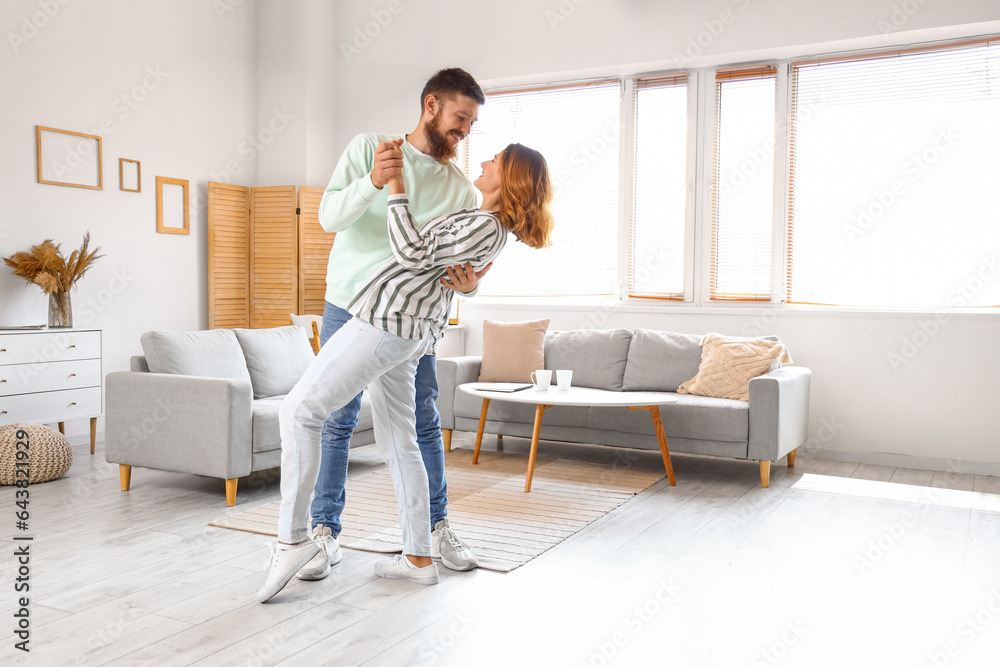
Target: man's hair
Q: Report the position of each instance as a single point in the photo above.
(450, 82)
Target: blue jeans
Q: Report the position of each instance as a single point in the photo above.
(330, 497)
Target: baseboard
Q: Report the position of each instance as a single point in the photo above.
(907, 461)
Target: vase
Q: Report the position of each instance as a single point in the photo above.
(60, 310)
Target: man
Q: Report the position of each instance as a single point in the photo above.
(354, 205)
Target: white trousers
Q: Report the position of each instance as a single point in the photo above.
(358, 356)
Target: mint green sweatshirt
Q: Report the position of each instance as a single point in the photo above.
(358, 211)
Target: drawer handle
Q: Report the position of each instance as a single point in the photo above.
(71, 347)
(3, 349)
(73, 403)
(3, 412)
(2, 381)
(72, 375)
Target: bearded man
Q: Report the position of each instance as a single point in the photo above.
(354, 206)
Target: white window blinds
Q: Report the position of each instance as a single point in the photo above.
(743, 185)
(893, 179)
(577, 130)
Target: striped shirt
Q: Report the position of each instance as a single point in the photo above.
(405, 296)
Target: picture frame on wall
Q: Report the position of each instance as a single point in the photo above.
(129, 175)
(69, 158)
(172, 206)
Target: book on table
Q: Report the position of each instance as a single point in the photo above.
(505, 387)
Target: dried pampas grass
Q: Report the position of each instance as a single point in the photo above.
(46, 267)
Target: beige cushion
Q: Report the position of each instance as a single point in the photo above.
(512, 350)
(728, 363)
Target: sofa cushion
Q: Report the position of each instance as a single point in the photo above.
(728, 363)
(661, 360)
(596, 357)
(276, 358)
(512, 350)
(264, 414)
(213, 354)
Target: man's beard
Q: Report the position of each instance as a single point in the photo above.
(437, 141)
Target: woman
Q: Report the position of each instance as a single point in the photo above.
(399, 315)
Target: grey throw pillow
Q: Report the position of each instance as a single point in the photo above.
(276, 358)
(596, 357)
(661, 360)
(213, 354)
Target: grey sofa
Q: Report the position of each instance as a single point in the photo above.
(767, 427)
(206, 403)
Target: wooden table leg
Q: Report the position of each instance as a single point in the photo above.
(539, 411)
(93, 434)
(661, 437)
(482, 426)
(62, 428)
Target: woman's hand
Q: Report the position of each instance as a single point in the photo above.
(463, 278)
(388, 165)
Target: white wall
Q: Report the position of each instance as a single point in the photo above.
(71, 74)
(935, 410)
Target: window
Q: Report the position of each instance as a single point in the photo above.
(577, 130)
(893, 179)
(659, 207)
(743, 185)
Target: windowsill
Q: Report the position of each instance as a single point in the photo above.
(612, 305)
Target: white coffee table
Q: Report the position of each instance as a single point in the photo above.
(574, 396)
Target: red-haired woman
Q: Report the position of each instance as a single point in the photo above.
(399, 315)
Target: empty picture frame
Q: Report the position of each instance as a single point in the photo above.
(129, 175)
(172, 206)
(69, 158)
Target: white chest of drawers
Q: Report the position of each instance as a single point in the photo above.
(51, 375)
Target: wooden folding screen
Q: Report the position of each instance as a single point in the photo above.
(228, 256)
(274, 276)
(314, 253)
(267, 255)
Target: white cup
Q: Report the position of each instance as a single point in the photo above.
(564, 379)
(543, 379)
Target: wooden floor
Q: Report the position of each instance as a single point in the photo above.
(834, 564)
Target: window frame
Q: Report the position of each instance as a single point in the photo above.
(702, 127)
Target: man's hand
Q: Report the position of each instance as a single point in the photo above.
(462, 278)
(388, 162)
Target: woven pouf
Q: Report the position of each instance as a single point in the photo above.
(49, 453)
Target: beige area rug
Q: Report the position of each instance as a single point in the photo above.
(487, 505)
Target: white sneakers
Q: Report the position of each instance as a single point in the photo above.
(312, 559)
(400, 567)
(285, 561)
(319, 567)
(452, 551)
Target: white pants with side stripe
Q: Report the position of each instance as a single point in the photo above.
(358, 356)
